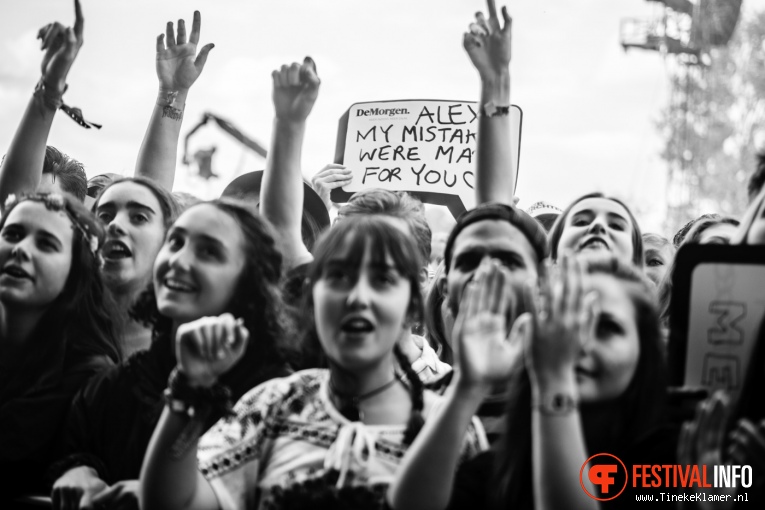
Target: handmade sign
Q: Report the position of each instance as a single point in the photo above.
(718, 305)
(426, 147)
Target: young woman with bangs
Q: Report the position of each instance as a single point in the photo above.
(326, 438)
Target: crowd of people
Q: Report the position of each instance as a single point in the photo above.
(162, 352)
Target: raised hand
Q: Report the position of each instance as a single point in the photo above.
(702, 440)
(488, 43)
(485, 352)
(61, 45)
(178, 65)
(563, 322)
(208, 347)
(296, 88)
(328, 178)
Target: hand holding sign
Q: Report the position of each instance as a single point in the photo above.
(296, 88)
(488, 43)
(328, 178)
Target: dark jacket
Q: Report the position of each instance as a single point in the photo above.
(113, 418)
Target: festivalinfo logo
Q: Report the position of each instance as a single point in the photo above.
(608, 476)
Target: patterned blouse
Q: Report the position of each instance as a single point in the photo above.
(288, 447)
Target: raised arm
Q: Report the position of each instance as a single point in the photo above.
(23, 164)
(552, 344)
(296, 88)
(205, 349)
(178, 67)
(426, 476)
(488, 46)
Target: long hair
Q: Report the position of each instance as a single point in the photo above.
(354, 236)
(434, 320)
(560, 225)
(84, 313)
(168, 204)
(634, 413)
(257, 298)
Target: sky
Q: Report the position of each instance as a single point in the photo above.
(589, 107)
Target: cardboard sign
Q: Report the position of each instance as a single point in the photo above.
(718, 304)
(425, 147)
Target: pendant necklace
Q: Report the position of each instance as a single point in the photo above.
(348, 404)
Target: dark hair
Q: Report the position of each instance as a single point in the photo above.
(560, 225)
(528, 226)
(257, 298)
(382, 239)
(434, 321)
(69, 172)
(84, 313)
(170, 207)
(637, 411)
(689, 234)
(691, 231)
(397, 204)
(757, 178)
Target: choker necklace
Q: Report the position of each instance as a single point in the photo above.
(348, 404)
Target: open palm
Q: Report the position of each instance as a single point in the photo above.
(178, 65)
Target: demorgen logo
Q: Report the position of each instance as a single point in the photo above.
(605, 475)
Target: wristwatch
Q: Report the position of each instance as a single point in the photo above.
(556, 404)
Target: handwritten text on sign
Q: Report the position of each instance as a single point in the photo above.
(417, 145)
(725, 312)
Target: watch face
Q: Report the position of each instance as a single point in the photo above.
(559, 402)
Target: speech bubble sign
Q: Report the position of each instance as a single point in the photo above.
(423, 146)
(717, 309)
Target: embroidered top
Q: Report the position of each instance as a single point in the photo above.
(288, 447)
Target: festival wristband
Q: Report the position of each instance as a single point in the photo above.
(53, 101)
(494, 110)
(555, 404)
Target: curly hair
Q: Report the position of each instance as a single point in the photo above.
(84, 312)
(257, 297)
(560, 225)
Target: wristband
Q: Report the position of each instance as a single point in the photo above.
(182, 397)
(494, 110)
(556, 404)
(54, 101)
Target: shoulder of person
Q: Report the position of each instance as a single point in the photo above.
(303, 383)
